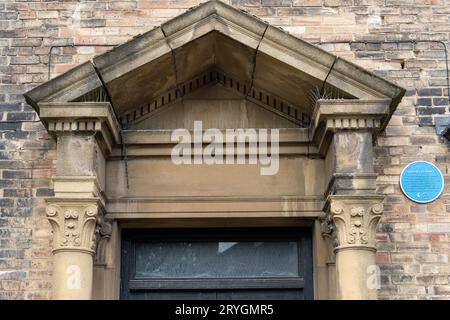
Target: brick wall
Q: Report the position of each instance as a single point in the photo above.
(413, 239)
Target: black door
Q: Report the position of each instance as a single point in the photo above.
(210, 264)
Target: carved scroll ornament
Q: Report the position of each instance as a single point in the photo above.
(352, 221)
(76, 225)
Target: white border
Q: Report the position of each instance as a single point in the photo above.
(428, 201)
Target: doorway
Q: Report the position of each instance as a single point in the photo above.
(217, 264)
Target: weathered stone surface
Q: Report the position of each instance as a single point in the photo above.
(76, 155)
(373, 21)
(353, 152)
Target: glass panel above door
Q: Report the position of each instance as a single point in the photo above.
(216, 259)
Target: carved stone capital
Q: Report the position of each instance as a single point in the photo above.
(77, 224)
(102, 235)
(327, 227)
(353, 220)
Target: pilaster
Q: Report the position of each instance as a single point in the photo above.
(85, 134)
(344, 131)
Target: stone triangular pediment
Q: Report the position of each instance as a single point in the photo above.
(262, 62)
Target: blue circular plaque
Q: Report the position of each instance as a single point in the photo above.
(421, 181)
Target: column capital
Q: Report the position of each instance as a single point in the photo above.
(352, 220)
(77, 224)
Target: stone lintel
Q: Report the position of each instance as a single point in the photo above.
(157, 143)
(147, 137)
(331, 116)
(84, 118)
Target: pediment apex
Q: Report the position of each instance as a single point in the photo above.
(212, 16)
(217, 9)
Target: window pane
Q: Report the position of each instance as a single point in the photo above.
(216, 259)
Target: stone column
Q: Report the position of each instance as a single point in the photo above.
(353, 211)
(86, 134)
(353, 221)
(75, 230)
(345, 132)
(75, 213)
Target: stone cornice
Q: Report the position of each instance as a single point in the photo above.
(65, 87)
(82, 117)
(349, 114)
(320, 64)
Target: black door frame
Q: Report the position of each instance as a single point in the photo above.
(303, 236)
